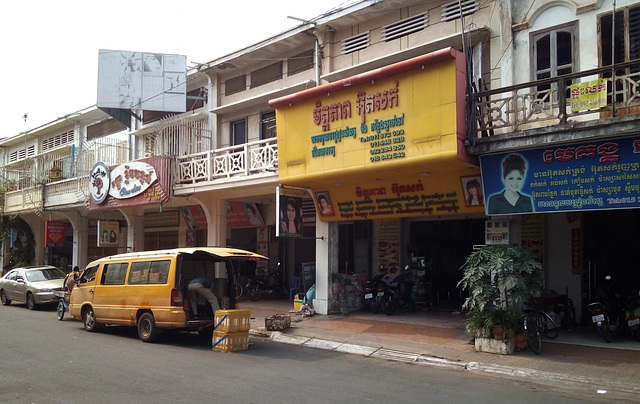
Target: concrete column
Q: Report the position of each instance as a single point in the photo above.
(321, 302)
(37, 227)
(80, 239)
(135, 229)
(216, 211)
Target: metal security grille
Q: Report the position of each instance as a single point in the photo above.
(355, 43)
(405, 27)
(457, 9)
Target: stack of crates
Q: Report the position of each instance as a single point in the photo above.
(231, 330)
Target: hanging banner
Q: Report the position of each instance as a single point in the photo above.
(243, 214)
(577, 177)
(194, 217)
(589, 95)
(289, 208)
(54, 233)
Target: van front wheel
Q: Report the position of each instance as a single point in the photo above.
(147, 330)
(89, 319)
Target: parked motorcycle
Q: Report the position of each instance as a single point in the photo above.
(632, 314)
(271, 287)
(605, 312)
(398, 292)
(374, 291)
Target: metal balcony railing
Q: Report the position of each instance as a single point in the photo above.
(234, 161)
(547, 102)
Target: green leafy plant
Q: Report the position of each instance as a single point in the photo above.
(499, 276)
(497, 279)
(479, 323)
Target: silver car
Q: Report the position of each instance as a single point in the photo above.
(33, 285)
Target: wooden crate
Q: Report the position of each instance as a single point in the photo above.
(277, 322)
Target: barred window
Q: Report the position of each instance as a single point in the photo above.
(266, 74)
(235, 85)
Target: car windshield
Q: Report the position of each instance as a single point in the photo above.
(39, 275)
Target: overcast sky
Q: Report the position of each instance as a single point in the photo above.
(49, 64)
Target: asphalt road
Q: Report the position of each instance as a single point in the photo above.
(43, 360)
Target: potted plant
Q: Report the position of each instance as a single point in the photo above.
(498, 278)
(499, 323)
(479, 323)
(504, 322)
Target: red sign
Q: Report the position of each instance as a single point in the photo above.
(54, 233)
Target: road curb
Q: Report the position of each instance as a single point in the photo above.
(523, 374)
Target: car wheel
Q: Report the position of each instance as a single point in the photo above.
(89, 319)
(31, 301)
(60, 310)
(3, 297)
(147, 330)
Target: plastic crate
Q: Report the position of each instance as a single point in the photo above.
(277, 322)
(232, 320)
(230, 342)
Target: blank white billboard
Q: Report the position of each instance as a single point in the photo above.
(138, 80)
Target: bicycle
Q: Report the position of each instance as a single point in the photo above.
(239, 290)
(537, 323)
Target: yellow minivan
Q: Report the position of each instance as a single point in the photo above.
(149, 289)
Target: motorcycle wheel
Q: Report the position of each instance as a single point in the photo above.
(388, 306)
(605, 330)
(254, 294)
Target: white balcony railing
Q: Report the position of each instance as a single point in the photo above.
(72, 191)
(242, 160)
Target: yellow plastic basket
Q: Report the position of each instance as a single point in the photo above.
(230, 342)
(232, 320)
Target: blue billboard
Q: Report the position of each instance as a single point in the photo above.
(576, 177)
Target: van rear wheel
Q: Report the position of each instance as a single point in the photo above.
(147, 330)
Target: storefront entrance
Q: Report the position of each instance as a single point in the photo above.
(445, 244)
(611, 248)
